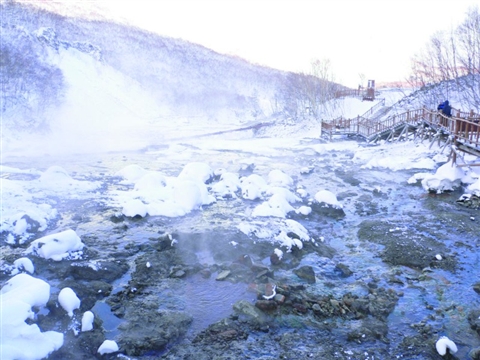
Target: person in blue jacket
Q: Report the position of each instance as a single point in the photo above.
(447, 109)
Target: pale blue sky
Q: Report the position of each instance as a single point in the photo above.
(374, 37)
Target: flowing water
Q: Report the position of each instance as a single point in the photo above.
(439, 298)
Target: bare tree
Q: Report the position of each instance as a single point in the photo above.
(320, 87)
(452, 58)
(29, 85)
(468, 38)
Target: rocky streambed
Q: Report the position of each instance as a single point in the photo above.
(383, 278)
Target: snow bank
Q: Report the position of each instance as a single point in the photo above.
(28, 289)
(474, 188)
(347, 107)
(57, 179)
(55, 176)
(151, 181)
(20, 340)
(21, 217)
(134, 207)
(277, 206)
(158, 195)
(197, 171)
(447, 178)
(399, 163)
(397, 156)
(24, 211)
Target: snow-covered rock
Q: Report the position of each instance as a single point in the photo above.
(279, 178)
(131, 173)
(56, 246)
(191, 195)
(108, 347)
(87, 321)
(197, 171)
(20, 340)
(277, 206)
(24, 264)
(68, 300)
(253, 187)
(150, 182)
(134, 207)
(445, 343)
(447, 178)
(228, 185)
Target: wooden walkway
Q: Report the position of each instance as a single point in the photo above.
(461, 130)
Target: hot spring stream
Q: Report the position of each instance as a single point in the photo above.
(414, 255)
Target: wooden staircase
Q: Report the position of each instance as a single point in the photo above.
(461, 130)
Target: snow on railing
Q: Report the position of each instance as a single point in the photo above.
(464, 126)
(374, 108)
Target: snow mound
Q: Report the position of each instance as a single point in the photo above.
(158, 195)
(56, 246)
(279, 178)
(287, 232)
(197, 171)
(131, 173)
(227, 186)
(20, 340)
(447, 178)
(68, 300)
(253, 187)
(327, 197)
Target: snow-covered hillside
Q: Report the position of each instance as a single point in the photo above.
(82, 86)
(111, 78)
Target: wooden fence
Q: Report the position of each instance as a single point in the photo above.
(348, 92)
(465, 127)
(373, 109)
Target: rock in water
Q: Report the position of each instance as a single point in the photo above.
(223, 275)
(306, 273)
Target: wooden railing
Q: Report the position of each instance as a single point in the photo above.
(372, 127)
(465, 127)
(373, 109)
(367, 127)
(468, 132)
(348, 92)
